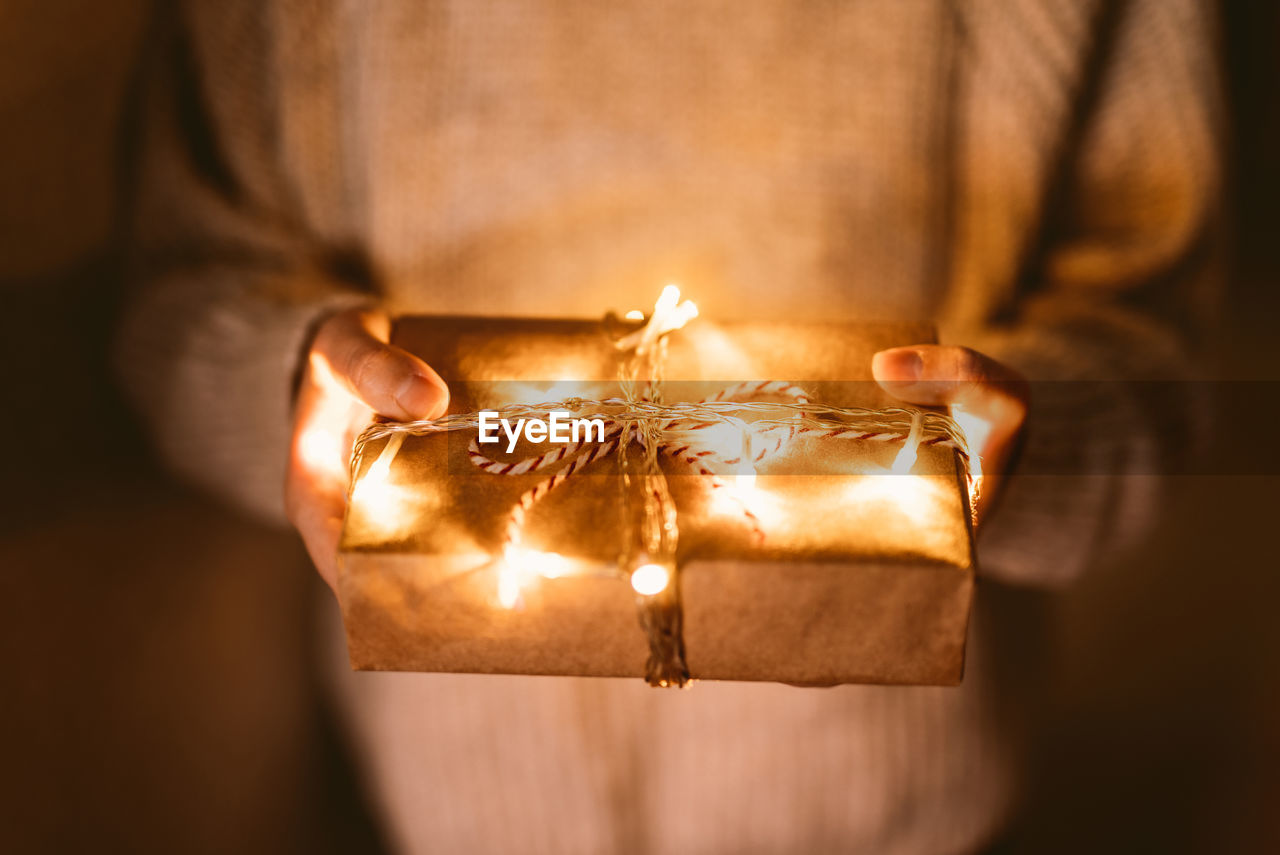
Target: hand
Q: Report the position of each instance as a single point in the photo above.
(352, 373)
(988, 399)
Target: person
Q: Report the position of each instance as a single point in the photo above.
(1038, 178)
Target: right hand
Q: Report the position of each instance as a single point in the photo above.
(351, 373)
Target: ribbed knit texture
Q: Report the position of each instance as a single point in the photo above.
(1038, 176)
(474, 763)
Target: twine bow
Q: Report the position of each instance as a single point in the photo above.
(683, 439)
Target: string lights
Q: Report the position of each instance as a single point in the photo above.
(723, 438)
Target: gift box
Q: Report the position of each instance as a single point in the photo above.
(808, 550)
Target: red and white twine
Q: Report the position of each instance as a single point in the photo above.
(679, 428)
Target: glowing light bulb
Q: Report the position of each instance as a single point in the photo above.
(519, 567)
(905, 460)
(667, 300)
(910, 447)
(650, 579)
(548, 565)
(677, 314)
(381, 503)
(976, 431)
(634, 315)
(508, 586)
(668, 314)
(913, 497)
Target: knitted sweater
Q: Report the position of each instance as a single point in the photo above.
(1038, 177)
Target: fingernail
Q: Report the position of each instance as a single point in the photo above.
(899, 365)
(419, 396)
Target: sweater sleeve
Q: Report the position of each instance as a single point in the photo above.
(1112, 295)
(227, 281)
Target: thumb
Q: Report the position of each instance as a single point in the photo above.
(937, 375)
(391, 381)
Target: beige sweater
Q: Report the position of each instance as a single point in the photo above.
(1039, 177)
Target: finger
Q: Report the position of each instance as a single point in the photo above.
(321, 534)
(988, 400)
(316, 513)
(391, 381)
(937, 375)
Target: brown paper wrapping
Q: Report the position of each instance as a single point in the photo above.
(861, 578)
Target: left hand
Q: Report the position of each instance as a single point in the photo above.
(988, 399)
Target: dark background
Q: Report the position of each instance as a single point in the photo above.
(160, 692)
